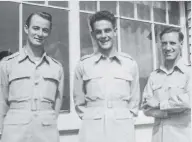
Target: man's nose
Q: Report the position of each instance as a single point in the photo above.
(168, 47)
(103, 34)
(40, 33)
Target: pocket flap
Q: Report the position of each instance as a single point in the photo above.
(16, 120)
(18, 75)
(51, 76)
(156, 86)
(123, 114)
(92, 113)
(127, 77)
(49, 120)
(86, 78)
(181, 86)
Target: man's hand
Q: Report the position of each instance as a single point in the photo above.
(151, 102)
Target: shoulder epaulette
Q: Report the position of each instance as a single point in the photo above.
(10, 56)
(56, 61)
(156, 70)
(86, 56)
(125, 55)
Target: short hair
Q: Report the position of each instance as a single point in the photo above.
(4, 54)
(172, 29)
(44, 15)
(102, 15)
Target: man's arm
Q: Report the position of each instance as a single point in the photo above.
(60, 93)
(149, 96)
(179, 102)
(79, 90)
(135, 91)
(4, 92)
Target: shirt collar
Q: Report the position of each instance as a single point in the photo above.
(99, 56)
(24, 55)
(181, 65)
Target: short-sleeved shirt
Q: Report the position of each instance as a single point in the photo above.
(22, 79)
(100, 78)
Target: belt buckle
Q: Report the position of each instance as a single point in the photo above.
(109, 104)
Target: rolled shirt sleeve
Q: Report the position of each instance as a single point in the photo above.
(4, 92)
(135, 91)
(148, 94)
(60, 92)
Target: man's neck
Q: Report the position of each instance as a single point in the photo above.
(34, 52)
(108, 53)
(170, 64)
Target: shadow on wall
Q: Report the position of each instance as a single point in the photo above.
(4, 54)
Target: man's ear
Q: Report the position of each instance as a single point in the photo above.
(26, 29)
(181, 43)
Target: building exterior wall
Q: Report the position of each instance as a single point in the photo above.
(188, 16)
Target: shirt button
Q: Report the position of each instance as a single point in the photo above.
(37, 78)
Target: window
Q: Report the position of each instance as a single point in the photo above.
(9, 27)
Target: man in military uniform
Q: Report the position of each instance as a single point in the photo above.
(106, 87)
(31, 87)
(168, 91)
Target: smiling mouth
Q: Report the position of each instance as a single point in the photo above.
(104, 42)
(39, 39)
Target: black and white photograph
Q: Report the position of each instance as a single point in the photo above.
(95, 71)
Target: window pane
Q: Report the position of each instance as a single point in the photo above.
(126, 9)
(85, 38)
(57, 45)
(88, 5)
(143, 10)
(59, 3)
(174, 16)
(9, 26)
(135, 42)
(40, 2)
(159, 11)
(108, 5)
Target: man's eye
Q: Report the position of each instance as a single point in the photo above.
(35, 28)
(172, 43)
(97, 32)
(164, 43)
(108, 30)
(46, 30)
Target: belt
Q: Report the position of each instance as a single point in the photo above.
(108, 104)
(33, 105)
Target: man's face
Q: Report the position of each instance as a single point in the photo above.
(38, 31)
(171, 46)
(104, 34)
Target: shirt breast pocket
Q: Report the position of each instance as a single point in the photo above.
(18, 76)
(158, 92)
(176, 89)
(122, 84)
(91, 84)
(19, 82)
(51, 82)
